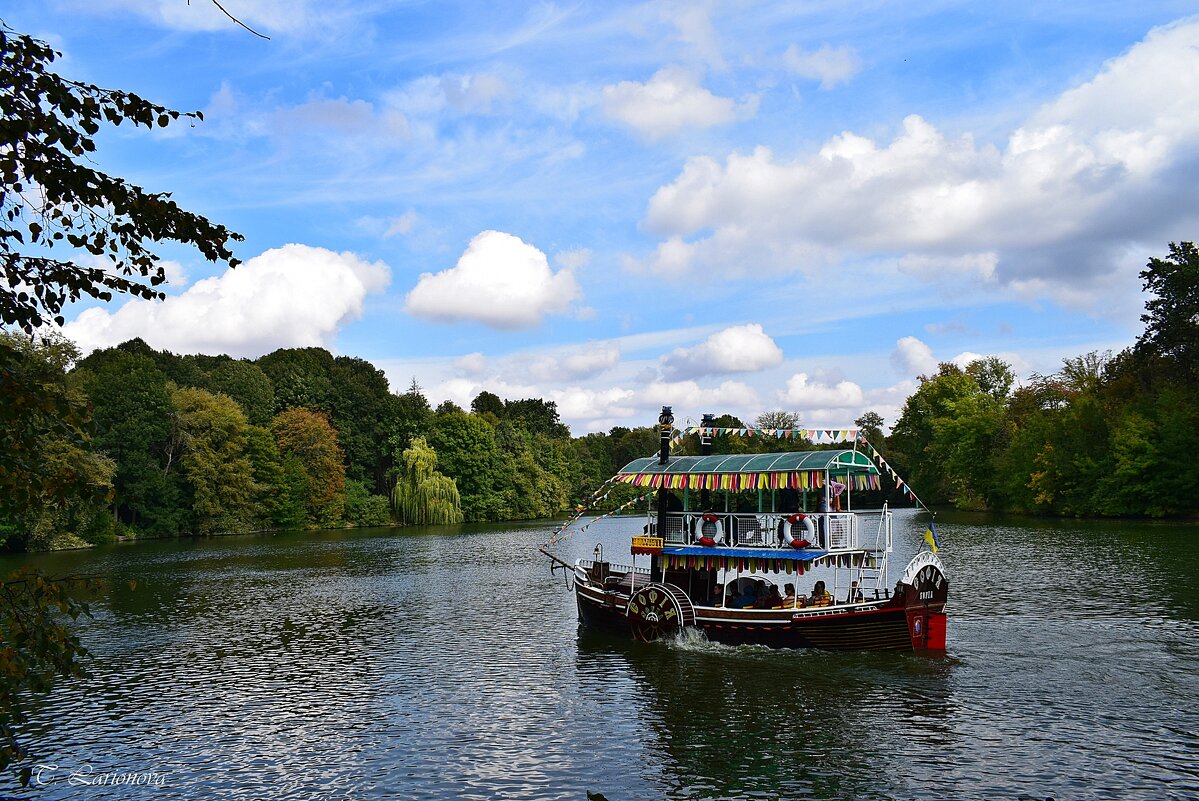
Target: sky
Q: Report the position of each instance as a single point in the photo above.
(723, 207)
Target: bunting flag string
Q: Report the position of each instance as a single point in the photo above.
(900, 484)
(615, 511)
(591, 500)
(817, 436)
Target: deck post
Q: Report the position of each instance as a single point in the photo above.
(665, 429)
(705, 449)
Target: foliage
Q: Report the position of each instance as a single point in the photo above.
(365, 509)
(467, 452)
(247, 384)
(422, 496)
(36, 408)
(312, 440)
(131, 402)
(53, 196)
(1172, 315)
(212, 434)
(36, 644)
(777, 419)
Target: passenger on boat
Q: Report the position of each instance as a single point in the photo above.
(771, 600)
(836, 487)
(821, 596)
(789, 597)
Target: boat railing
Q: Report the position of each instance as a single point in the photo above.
(833, 531)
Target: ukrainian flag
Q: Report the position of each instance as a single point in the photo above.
(930, 536)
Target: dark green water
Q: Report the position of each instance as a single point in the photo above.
(447, 664)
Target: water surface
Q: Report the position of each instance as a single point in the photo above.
(447, 663)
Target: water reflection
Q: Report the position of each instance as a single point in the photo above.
(750, 722)
(448, 664)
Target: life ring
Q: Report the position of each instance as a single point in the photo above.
(709, 531)
(797, 520)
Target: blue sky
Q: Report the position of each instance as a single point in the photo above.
(721, 206)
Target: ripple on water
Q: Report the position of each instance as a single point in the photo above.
(444, 665)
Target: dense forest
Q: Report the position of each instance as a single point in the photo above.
(1108, 434)
(150, 443)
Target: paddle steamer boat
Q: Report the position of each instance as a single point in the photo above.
(740, 576)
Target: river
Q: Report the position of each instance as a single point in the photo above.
(447, 664)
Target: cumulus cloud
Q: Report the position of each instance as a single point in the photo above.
(670, 101)
(1104, 165)
(736, 349)
(293, 296)
(499, 281)
(472, 364)
(829, 65)
(913, 357)
(586, 361)
(801, 391)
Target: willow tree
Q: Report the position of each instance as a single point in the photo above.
(422, 496)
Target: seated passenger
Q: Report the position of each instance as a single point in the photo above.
(821, 596)
(789, 596)
(771, 600)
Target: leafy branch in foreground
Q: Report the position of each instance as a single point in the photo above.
(36, 644)
(52, 198)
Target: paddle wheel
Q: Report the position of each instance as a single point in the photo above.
(659, 610)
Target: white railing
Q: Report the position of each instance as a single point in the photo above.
(836, 531)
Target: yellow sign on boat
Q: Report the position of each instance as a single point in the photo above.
(647, 544)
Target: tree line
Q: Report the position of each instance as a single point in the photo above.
(131, 441)
(1107, 434)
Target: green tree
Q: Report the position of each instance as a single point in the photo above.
(488, 403)
(53, 489)
(134, 427)
(212, 432)
(55, 197)
(777, 419)
(247, 384)
(364, 508)
(310, 437)
(423, 496)
(467, 452)
(1172, 315)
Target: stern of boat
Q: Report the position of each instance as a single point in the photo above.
(926, 591)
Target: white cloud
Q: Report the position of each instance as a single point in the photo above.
(175, 272)
(736, 349)
(586, 361)
(912, 357)
(802, 392)
(293, 296)
(1051, 211)
(670, 101)
(472, 364)
(734, 396)
(829, 65)
(401, 225)
(499, 281)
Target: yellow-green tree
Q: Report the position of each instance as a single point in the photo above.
(212, 434)
(422, 496)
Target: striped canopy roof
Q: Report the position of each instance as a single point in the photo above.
(839, 462)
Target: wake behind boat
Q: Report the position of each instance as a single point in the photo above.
(701, 562)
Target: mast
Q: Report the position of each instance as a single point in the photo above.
(665, 429)
(705, 449)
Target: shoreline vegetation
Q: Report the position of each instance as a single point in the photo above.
(133, 442)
